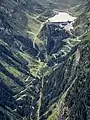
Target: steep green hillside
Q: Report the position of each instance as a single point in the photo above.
(44, 70)
(68, 96)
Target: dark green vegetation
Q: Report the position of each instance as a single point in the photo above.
(44, 70)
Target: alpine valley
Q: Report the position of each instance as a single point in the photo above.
(44, 59)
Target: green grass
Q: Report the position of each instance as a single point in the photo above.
(74, 41)
(14, 87)
(88, 35)
(54, 115)
(35, 68)
(77, 10)
(11, 69)
(23, 55)
(42, 18)
(30, 35)
(85, 36)
(33, 25)
(3, 43)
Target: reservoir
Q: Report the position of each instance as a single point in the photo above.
(62, 17)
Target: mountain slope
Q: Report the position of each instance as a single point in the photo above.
(73, 90)
(44, 70)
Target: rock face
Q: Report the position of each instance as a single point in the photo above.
(44, 69)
